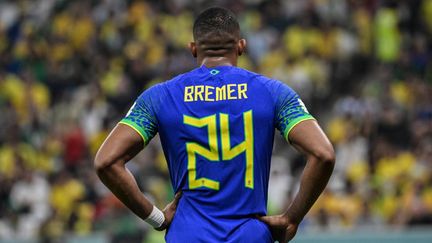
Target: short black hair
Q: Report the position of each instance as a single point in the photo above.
(216, 21)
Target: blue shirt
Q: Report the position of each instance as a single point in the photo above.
(216, 127)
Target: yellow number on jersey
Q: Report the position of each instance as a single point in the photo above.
(228, 152)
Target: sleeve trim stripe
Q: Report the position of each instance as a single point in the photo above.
(295, 122)
(134, 127)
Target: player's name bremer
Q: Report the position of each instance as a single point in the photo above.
(211, 93)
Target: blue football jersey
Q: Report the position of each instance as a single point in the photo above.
(216, 127)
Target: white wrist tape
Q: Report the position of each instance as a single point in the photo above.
(156, 218)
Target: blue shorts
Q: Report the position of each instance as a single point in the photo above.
(249, 231)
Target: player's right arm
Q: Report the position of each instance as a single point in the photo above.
(123, 143)
(304, 133)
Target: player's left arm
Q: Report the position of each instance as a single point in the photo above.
(309, 139)
(304, 133)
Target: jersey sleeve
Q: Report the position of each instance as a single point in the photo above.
(142, 117)
(290, 109)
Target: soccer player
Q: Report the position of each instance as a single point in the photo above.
(216, 124)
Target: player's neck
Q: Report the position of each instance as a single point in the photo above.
(217, 61)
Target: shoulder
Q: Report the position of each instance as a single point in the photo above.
(249, 74)
(273, 86)
(175, 80)
(181, 77)
(162, 88)
(159, 89)
(158, 92)
(259, 78)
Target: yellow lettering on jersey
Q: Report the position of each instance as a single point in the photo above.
(231, 90)
(247, 146)
(193, 149)
(211, 151)
(210, 93)
(221, 93)
(188, 93)
(242, 88)
(199, 90)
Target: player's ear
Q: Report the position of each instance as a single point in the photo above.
(241, 46)
(193, 49)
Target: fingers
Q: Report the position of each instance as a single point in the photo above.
(170, 210)
(175, 201)
(266, 219)
(178, 195)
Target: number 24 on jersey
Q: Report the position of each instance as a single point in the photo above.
(212, 152)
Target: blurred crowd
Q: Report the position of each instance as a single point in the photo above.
(69, 71)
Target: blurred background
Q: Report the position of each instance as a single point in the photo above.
(70, 70)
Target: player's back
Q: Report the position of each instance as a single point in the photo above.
(217, 133)
(216, 127)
